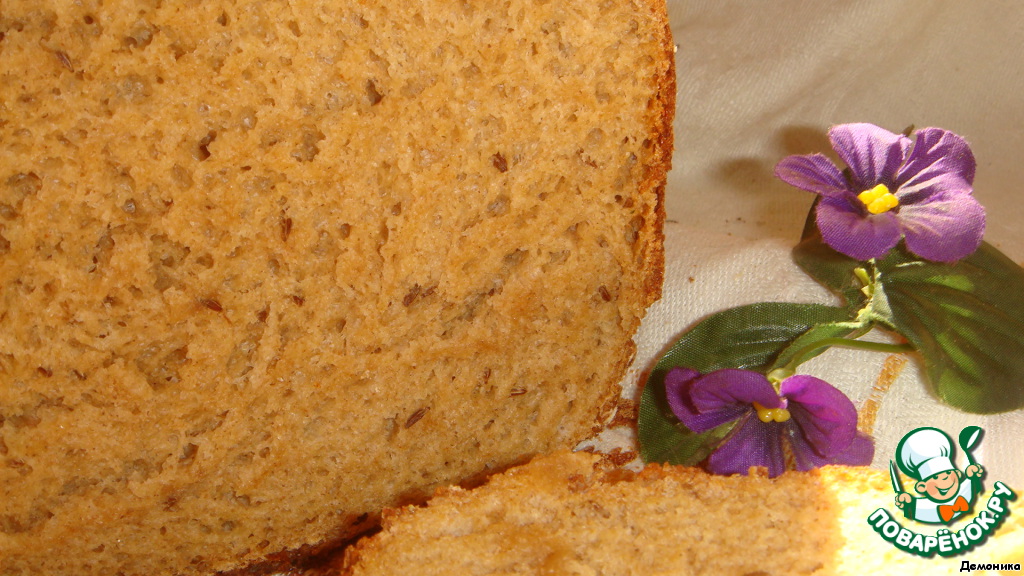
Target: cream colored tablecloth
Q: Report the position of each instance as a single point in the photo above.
(761, 80)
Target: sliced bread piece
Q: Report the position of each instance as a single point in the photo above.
(269, 267)
(565, 514)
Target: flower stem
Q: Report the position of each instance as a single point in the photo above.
(808, 351)
(859, 345)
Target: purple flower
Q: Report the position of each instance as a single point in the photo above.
(896, 188)
(818, 421)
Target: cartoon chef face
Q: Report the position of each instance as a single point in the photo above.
(940, 487)
(926, 455)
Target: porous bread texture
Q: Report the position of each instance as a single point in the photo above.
(563, 514)
(269, 267)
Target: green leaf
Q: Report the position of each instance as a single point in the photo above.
(664, 439)
(749, 337)
(816, 334)
(966, 319)
(828, 267)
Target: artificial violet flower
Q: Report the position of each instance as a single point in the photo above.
(896, 188)
(818, 421)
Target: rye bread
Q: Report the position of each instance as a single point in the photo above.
(569, 513)
(267, 268)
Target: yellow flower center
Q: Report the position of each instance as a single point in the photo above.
(878, 199)
(769, 414)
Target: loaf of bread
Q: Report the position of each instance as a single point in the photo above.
(563, 514)
(268, 267)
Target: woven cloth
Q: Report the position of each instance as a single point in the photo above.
(758, 81)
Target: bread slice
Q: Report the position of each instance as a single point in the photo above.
(269, 267)
(563, 514)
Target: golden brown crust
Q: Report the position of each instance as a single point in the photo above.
(658, 162)
(664, 105)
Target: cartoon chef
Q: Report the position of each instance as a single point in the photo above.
(926, 455)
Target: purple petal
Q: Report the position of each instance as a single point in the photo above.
(946, 228)
(705, 402)
(873, 154)
(678, 382)
(939, 160)
(826, 418)
(855, 233)
(752, 443)
(860, 452)
(733, 386)
(814, 173)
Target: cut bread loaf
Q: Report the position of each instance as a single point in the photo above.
(561, 514)
(269, 267)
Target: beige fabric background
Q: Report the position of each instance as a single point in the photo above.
(760, 80)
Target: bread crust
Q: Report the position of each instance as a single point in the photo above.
(665, 107)
(662, 139)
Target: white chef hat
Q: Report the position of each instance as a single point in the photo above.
(925, 452)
